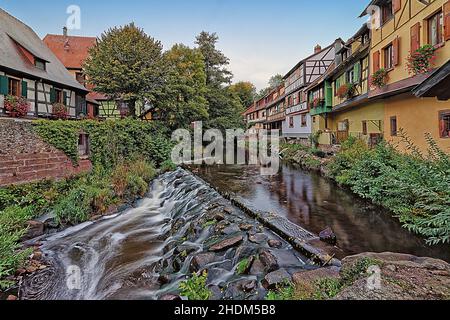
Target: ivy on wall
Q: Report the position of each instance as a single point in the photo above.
(110, 142)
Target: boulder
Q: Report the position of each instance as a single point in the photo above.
(249, 286)
(170, 297)
(276, 279)
(258, 238)
(227, 244)
(233, 229)
(269, 261)
(401, 277)
(200, 261)
(257, 268)
(328, 236)
(275, 244)
(243, 252)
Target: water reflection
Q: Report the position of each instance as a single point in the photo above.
(315, 203)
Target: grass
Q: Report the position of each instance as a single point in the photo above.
(243, 266)
(73, 201)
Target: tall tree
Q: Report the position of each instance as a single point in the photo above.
(245, 91)
(274, 82)
(127, 64)
(215, 61)
(184, 99)
(224, 108)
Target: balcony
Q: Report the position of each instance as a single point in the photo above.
(321, 109)
(297, 108)
(279, 116)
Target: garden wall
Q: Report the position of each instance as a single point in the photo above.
(24, 157)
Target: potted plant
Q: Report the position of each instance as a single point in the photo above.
(346, 91)
(379, 79)
(60, 111)
(421, 61)
(16, 106)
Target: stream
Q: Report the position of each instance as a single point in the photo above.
(315, 203)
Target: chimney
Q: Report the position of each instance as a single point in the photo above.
(317, 48)
(65, 31)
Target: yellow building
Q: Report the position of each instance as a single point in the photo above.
(339, 101)
(399, 28)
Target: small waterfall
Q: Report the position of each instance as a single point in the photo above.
(123, 256)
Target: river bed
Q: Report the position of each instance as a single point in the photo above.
(315, 203)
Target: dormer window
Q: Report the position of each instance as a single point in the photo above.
(40, 64)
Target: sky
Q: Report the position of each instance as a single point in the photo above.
(261, 37)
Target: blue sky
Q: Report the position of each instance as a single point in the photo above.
(261, 37)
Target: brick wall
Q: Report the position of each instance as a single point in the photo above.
(24, 157)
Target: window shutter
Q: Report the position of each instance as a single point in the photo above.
(24, 89)
(415, 37)
(4, 85)
(328, 94)
(52, 95)
(65, 98)
(395, 48)
(357, 72)
(396, 5)
(447, 20)
(376, 61)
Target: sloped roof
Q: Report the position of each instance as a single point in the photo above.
(13, 31)
(70, 50)
(250, 110)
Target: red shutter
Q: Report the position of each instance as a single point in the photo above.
(415, 37)
(376, 61)
(396, 5)
(447, 20)
(396, 47)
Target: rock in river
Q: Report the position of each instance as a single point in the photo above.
(328, 236)
(277, 278)
(258, 238)
(269, 261)
(275, 243)
(227, 244)
(202, 260)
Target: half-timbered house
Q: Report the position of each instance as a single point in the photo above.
(29, 69)
(298, 123)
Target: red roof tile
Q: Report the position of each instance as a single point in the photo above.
(70, 50)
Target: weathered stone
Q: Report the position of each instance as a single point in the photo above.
(214, 274)
(228, 210)
(216, 293)
(227, 244)
(243, 252)
(257, 268)
(249, 286)
(275, 243)
(245, 227)
(202, 260)
(219, 217)
(35, 229)
(12, 298)
(287, 258)
(233, 229)
(49, 220)
(305, 280)
(186, 248)
(328, 236)
(258, 238)
(413, 278)
(275, 279)
(164, 279)
(269, 261)
(170, 297)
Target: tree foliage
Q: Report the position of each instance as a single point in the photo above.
(126, 64)
(245, 91)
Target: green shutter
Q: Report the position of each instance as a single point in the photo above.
(65, 98)
(24, 89)
(357, 72)
(52, 95)
(328, 94)
(4, 85)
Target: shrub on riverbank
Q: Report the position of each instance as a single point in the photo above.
(308, 158)
(414, 186)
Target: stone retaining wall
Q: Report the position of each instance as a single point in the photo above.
(24, 157)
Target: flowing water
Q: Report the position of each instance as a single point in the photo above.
(316, 203)
(124, 256)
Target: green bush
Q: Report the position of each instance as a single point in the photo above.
(195, 288)
(12, 228)
(76, 207)
(416, 188)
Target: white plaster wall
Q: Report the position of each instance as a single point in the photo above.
(297, 131)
